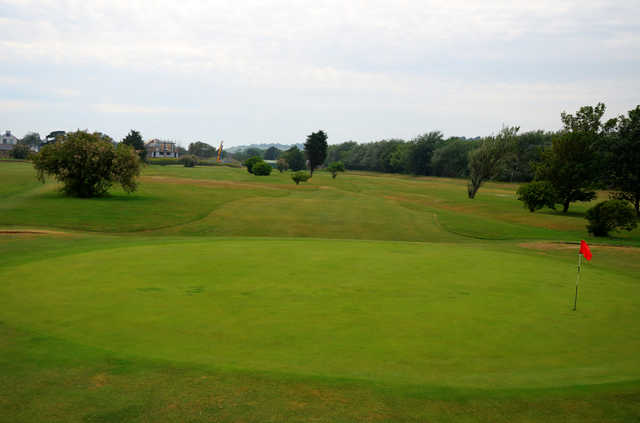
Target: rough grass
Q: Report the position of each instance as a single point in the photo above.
(461, 311)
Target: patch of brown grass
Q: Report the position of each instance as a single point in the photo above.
(551, 246)
(28, 233)
(205, 182)
(98, 381)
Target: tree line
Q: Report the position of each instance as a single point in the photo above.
(431, 154)
(586, 155)
(560, 167)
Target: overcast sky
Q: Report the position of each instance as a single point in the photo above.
(274, 71)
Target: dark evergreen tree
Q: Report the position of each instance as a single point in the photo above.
(315, 149)
(134, 140)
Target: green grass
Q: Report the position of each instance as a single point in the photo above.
(226, 201)
(401, 313)
(215, 295)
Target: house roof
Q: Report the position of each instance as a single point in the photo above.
(157, 140)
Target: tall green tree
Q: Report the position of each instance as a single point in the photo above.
(134, 140)
(570, 165)
(527, 149)
(452, 158)
(340, 152)
(295, 158)
(382, 153)
(421, 151)
(587, 120)
(574, 164)
(272, 153)
(624, 158)
(484, 161)
(315, 149)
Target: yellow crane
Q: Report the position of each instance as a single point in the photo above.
(220, 151)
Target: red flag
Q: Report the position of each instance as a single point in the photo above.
(584, 250)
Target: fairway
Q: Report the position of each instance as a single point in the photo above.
(215, 295)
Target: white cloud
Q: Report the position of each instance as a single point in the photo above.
(8, 106)
(137, 109)
(277, 68)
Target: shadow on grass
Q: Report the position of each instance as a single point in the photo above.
(59, 195)
(560, 213)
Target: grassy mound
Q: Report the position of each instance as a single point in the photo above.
(398, 313)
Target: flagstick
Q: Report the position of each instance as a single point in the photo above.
(575, 299)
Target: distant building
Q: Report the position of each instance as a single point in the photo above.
(7, 138)
(159, 148)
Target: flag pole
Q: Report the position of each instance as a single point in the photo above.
(575, 299)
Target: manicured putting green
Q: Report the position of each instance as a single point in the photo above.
(394, 312)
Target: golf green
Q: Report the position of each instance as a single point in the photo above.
(460, 315)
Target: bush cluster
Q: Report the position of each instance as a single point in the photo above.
(257, 166)
(262, 169)
(189, 161)
(611, 215)
(300, 176)
(87, 165)
(334, 168)
(538, 194)
(251, 161)
(163, 161)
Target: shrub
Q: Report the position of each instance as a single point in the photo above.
(87, 165)
(20, 151)
(189, 161)
(610, 215)
(262, 169)
(538, 194)
(300, 176)
(334, 168)
(162, 161)
(251, 161)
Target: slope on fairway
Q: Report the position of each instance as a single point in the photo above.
(219, 201)
(392, 312)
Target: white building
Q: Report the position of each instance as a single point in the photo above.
(7, 138)
(159, 148)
